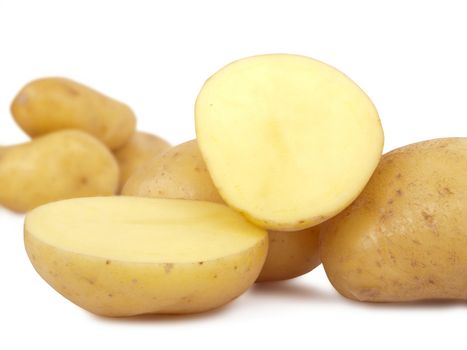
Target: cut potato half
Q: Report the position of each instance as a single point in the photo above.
(123, 256)
(288, 140)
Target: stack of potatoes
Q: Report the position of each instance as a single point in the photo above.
(286, 172)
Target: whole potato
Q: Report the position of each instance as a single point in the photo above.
(59, 165)
(123, 256)
(52, 104)
(141, 147)
(181, 173)
(405, 237)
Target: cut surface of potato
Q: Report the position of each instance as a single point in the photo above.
(181, 173)
(60, 165)
(140, 149)
(121, 256)
(288, 140)
(405, 237)
(51, 104)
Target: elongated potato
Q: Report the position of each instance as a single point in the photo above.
(405, 237)
(123, 256)
(60, 165)
(288, 140)
(181, 173)
(52, 104)
(141, 147)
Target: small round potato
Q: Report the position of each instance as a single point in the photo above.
(59, 165)
(141, 147)
(52, 104)
(405, 236)
(181, 173)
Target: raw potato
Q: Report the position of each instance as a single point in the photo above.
(51, 104)
(181, 173)
(405, 237)
(60, 165)
(123, 256)
(141, 147)
(288, 140)
(291, 254)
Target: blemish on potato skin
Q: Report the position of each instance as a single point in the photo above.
(108, 262)
(399, 192)
(200, 262)
(110, 295)
(83, 180)
(168, 267)
(427, 217)
(134, 281)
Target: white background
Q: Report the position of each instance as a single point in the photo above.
(409, 56)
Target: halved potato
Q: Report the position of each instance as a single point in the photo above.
(122, 256)
(288, 140)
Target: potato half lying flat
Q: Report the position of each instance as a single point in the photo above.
(288, 140)
(123, 256)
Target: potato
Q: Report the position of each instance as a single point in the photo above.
(405, 237)
(288, 140)
(181, 173)
(123, 256)
(141, 147)
(60, 165)
(291, 254)
(51, 104)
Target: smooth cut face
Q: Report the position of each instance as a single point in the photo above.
(288, 140)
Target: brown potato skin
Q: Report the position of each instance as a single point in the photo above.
(291, 254)
(60, 165)
(405, 236)
(181, 173)
(51, 104)
(141, 148)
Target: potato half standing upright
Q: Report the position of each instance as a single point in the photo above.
(288, 140)
(405, 237)
(181, 173)
(60, 165)
(124, 256)
(52, 104)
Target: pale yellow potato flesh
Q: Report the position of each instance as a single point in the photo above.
(124, 256)
(288, 140)
(405, 236)
(51, 104)
(181, 173)
(60, 165)
(139, 149)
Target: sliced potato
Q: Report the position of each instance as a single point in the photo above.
(405, 237)
(51, 104)
(288, 140)
(123, 256)
(141, 147)
(181, 173)
(60, 165)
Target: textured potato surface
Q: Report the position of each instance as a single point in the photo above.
(122, 256)
(181, 173)
(405, 237)
(141, 148)
(51, 104)
(60, 165)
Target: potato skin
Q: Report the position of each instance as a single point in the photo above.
(291, 254)
(51, 104)
(404, 238)
(139, 149)
(60, 165)
(119, 289)
(181, 173)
